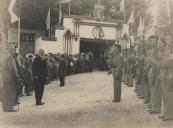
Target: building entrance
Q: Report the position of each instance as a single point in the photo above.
(99, 48)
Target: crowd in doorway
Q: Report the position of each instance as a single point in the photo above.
(74, 64)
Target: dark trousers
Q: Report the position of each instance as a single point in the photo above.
(62, 80)
(39, 90)
(28, 87)
(9, 93)
(117, 87)
(117, 90)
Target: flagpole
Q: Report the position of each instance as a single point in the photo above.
(130, 36)
(49, 32)
(19, 35)
(49, 25)
(124, 11)
(60, 11)
(124, 14)
(168, 11)
(143, 38)
(69, 8)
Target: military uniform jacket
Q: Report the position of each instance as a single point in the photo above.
(117, 66)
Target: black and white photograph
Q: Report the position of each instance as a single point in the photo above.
(86, 63)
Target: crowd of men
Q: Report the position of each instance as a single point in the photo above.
(147, 66)
(32, 72)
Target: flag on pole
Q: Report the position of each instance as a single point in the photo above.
(98, 10)
(64, 1)
(95, 10)
(60, 14)
(143, 25)
(14, 17)
(131, 19)
(140, 27)
(122, 8)
(48, 20)
(168, 10)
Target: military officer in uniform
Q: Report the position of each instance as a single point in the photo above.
(166, 69)
(117, 72)
(131, 68)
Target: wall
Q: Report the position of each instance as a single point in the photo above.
(13, 34)
(56, 46)
(47, 46)
(85, 31)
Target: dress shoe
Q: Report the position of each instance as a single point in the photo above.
(153, 112)
(28, 94)
(22, 95)
(160, 116)
(40, 103)
(115, 100)
(16, 103)
(140, 97)
(149, 107)
(11, 111)
(149, 110)
(166, 119)
(146, 102)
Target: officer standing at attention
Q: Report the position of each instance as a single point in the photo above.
(117, 72)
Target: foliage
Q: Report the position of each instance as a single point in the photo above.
(164, 27)
(33, 13)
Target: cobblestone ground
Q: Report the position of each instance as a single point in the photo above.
(85, 102)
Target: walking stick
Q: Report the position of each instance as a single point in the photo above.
(18, 104)
(18, 94)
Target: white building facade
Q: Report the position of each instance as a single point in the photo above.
(84, 34)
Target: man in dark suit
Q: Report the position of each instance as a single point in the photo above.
(62, 70)
(39, 70)
(10, 78)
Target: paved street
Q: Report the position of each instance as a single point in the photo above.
(85, 102)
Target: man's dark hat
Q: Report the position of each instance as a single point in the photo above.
(118, 46)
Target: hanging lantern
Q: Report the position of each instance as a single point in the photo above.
(76, 29)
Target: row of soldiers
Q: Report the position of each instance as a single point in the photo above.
(150, 69)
